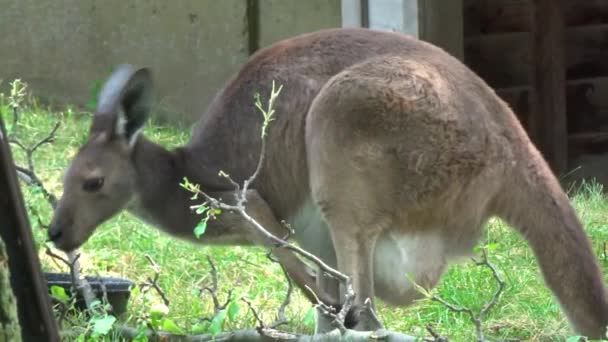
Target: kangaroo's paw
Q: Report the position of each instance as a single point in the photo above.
(363, 318)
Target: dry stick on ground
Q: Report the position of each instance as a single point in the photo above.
(478, 319)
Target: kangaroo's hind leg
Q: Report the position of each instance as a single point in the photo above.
(358, 204)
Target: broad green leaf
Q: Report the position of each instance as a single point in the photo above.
(59, 293)
(309, 319)
(200, 228)
(102, 325)
(170, 326)
(233, 310)
(202, 209)
(217, 323)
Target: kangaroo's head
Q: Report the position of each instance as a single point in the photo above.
(101, 179)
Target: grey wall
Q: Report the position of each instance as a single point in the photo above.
(284, 18)
(62, 47)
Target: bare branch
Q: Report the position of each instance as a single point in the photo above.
(50, 138)
(436, 336)
(501, 283)
(153, 282)
(217, 306)
(78, 283)
(281, 318)
(29, 151)
(30, 178)
(255, 314)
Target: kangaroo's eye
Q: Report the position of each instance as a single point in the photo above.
(92, 184)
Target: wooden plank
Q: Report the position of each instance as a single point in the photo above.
(585, 49)
(496, 16)
(548, 81)
(29, 286)
(499, 16)
(586, 104)
(441, 23)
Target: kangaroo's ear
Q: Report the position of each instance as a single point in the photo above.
(124, 104)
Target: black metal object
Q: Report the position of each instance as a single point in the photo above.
(28, 284)
(116, 290)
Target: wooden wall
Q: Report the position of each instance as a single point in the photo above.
(497, 46)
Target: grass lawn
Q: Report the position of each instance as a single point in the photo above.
(526, 310)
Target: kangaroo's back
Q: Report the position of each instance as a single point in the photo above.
(303, 64)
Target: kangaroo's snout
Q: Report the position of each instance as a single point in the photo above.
(59, 234)
(55, 233)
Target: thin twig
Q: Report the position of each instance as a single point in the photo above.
(29, 151)
(217, 306)
(281, 318)
(436, 336)
(257, 317)
(501, 284)
(153, 282)
(30, 178)
(78, 283)
(239, 207)
(274, 240)
(461, 309)
(28, 174)
(478, 319)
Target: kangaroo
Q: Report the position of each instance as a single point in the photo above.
(387, 156)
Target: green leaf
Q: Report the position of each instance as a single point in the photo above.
(200, 328)
(200, 228)
(141, 334)
(136, 291)
(170, 326)
(233, 310)
(311, 315)
(158, 310)
(492, 246)
(217, 323)
(202, 209)
(217, 211)
(102, 326)
(59, 293)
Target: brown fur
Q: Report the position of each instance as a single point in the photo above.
(379, 139)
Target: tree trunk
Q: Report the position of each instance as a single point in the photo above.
(9, 322)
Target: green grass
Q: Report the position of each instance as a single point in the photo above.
(525, 311)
